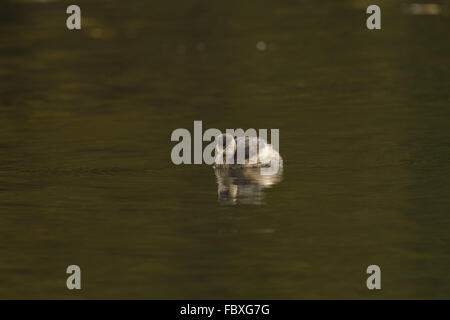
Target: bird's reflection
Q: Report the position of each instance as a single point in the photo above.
(243, 185)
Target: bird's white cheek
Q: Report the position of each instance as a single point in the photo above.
(229, 152)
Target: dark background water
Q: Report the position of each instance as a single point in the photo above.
(85, 170)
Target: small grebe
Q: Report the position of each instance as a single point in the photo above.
(245, 152)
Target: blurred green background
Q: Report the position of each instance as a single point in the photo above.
(85, 170)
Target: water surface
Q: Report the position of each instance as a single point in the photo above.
(85, 171)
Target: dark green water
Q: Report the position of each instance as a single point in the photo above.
(85, 170)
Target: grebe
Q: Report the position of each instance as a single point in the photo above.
(245, 152)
